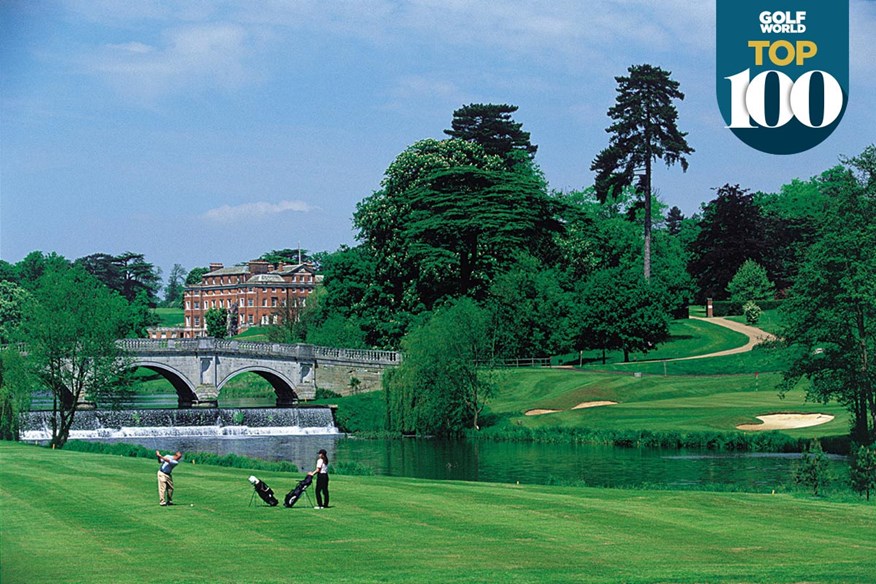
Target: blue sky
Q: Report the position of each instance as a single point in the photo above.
(194, 132)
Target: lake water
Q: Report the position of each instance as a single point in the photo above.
(593, 465)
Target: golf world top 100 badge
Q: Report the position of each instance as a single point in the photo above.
(782, 71)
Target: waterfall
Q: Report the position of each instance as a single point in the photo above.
(294, 421)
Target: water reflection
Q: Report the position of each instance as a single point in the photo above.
(593, 465)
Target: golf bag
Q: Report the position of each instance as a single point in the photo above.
(293, 495)
(264, 491)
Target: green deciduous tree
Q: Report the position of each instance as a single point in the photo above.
(617, 309)
(830, 313)
(70, 328)
(337, 331)
(531, 309)
(645, 130)
(466, 224)
(134, 278)
(216, 320)
(31, 268)
(13, 299)
(750, 283)
(752, 312)
(442, 385)
(195, 276)
(383, 217)
(790, 218)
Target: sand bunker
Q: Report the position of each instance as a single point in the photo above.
(594, 404)
(787, 421)
(582, 405)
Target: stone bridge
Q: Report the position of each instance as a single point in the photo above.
(199, 368)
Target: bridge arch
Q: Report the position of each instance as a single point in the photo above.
(283, 386)
(185, 391)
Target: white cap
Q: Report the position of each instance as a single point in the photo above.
(253, 480)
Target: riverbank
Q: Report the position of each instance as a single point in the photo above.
(61, 523)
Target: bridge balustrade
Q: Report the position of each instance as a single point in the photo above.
(301, 352)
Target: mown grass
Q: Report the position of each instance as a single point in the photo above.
(81, 517)
(652, 402)
(686, 338)
(170, 316)
(254, 334)
(770, 321)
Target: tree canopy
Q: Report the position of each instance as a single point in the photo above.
(492, 127)
(129, 274)
(441, 387)
(830, 312)
(448, 218)
(70, 327)
(731, 231)
(750, 283)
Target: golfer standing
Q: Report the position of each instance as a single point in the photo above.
(165, 480)
(322, 480)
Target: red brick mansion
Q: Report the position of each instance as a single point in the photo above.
(257, 291)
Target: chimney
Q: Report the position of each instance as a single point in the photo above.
(216, 266)
(258, 267)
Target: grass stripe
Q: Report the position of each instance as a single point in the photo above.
(81, 517)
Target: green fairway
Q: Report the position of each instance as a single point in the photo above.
(77, 517)
(652, 402)
(686, 338)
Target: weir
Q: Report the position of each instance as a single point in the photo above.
(145, 423)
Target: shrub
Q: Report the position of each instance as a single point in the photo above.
(730, 308)
(812, 470)
(752, 312)
(326, 394)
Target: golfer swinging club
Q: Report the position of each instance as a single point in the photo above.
(165, 480)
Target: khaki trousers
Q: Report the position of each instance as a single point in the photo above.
(165, 486)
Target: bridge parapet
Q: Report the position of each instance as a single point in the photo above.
(297, 352)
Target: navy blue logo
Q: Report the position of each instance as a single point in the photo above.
(782, 71)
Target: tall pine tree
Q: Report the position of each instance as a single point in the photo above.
(645, 130)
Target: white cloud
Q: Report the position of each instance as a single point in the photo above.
(259, 210)
(185, 58)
